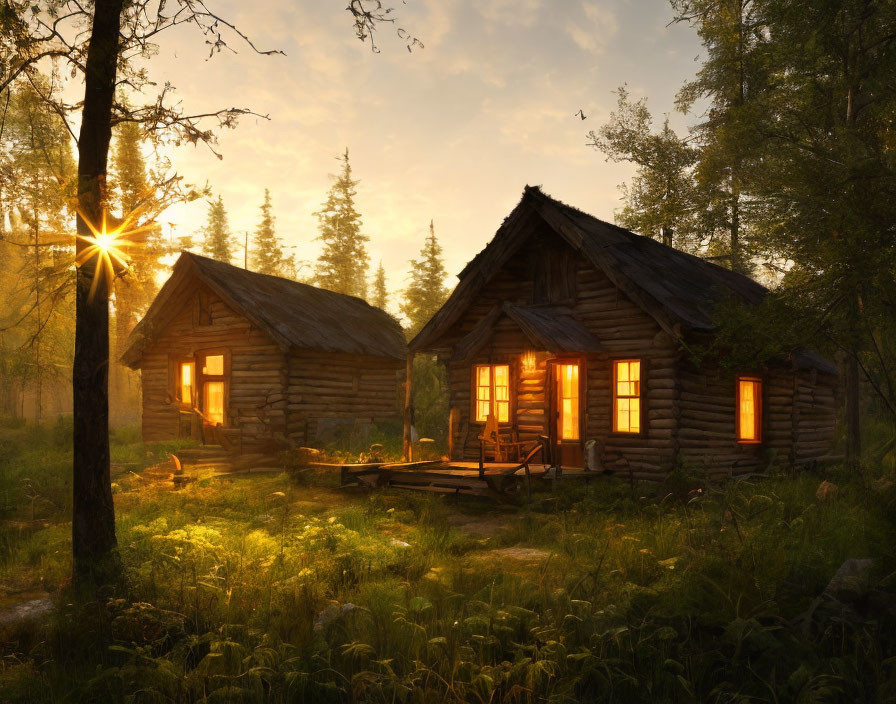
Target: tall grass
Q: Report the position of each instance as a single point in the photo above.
(261, 590)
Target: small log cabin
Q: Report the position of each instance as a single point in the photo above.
(256, 362)
(569, 327)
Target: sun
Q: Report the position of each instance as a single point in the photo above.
(108, 247)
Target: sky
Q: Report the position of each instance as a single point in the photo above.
(451, 132)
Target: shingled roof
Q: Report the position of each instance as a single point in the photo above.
(678, 289)
(295, 315)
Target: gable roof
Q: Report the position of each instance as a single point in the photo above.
(553, 328)
(679, 290)
(295, 315)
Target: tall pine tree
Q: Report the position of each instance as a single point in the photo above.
(427, 291)
(136, 289)
(267, 255)
(342, 265)
(217, 241)
(380, 294)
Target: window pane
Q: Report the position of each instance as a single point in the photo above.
(627, 396)
(502, 375)
(622, 371)
(503, 411)
(748, 407)
(214, 401)
(569, 401)
(622, 415)
(214, 365)
(483, 376)
(186, 382)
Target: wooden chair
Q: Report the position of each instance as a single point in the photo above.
(504, 444)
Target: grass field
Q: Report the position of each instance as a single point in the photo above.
(267, 589)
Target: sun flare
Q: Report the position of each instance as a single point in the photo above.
(109, 247)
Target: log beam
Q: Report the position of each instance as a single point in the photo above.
(407, 448)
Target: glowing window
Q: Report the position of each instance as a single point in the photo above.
(749, 409)
(185, 382)
(627, 396)
(568, 386)
(214, 401)
(214, 365)
(492, 392)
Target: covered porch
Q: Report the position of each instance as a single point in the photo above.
(495, 479)
(517, 378)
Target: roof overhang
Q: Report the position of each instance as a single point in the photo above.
(549, 328)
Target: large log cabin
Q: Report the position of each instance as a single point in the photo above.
(257, 362)
(570, 328)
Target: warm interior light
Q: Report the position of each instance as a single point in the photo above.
(528, 362)
(569, 401)
(627, 396)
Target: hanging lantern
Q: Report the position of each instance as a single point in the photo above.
(528, 361)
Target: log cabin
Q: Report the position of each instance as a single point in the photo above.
(257, 362)
(574, 330)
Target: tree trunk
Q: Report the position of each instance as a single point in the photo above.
(94, 544)
(853, 416)
(407, 447)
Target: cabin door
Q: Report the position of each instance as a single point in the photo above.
(566, 412)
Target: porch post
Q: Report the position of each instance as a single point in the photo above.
(407, 453)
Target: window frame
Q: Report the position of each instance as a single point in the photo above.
(174, 363)
(474, 387)
(202, 378)
(758, 409)
(642, 401)
(557, 364)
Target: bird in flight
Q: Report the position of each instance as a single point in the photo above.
(580, 114)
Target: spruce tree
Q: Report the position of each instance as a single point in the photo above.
(217, 242)
(342, 265)
(427, 291)
(380, 294)
(267, 255)
(136, 289)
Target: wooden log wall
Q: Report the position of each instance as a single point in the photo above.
(336, 385)
(686, 413)
(256, 399)
(627, 331)
(707, 430)
(814, 415)
(624, 330)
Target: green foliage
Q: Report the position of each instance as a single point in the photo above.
(380, 294)
(257, 589)
(37, 182)
(661, 201)
(343, 263)
(427, 291)
(800, 130)
(430, 385)
(217, 241)
(267, 253)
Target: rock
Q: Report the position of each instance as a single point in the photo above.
(851, 580)
(827, 491)
(332, 613)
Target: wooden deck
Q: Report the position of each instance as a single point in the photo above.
(496, 480)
